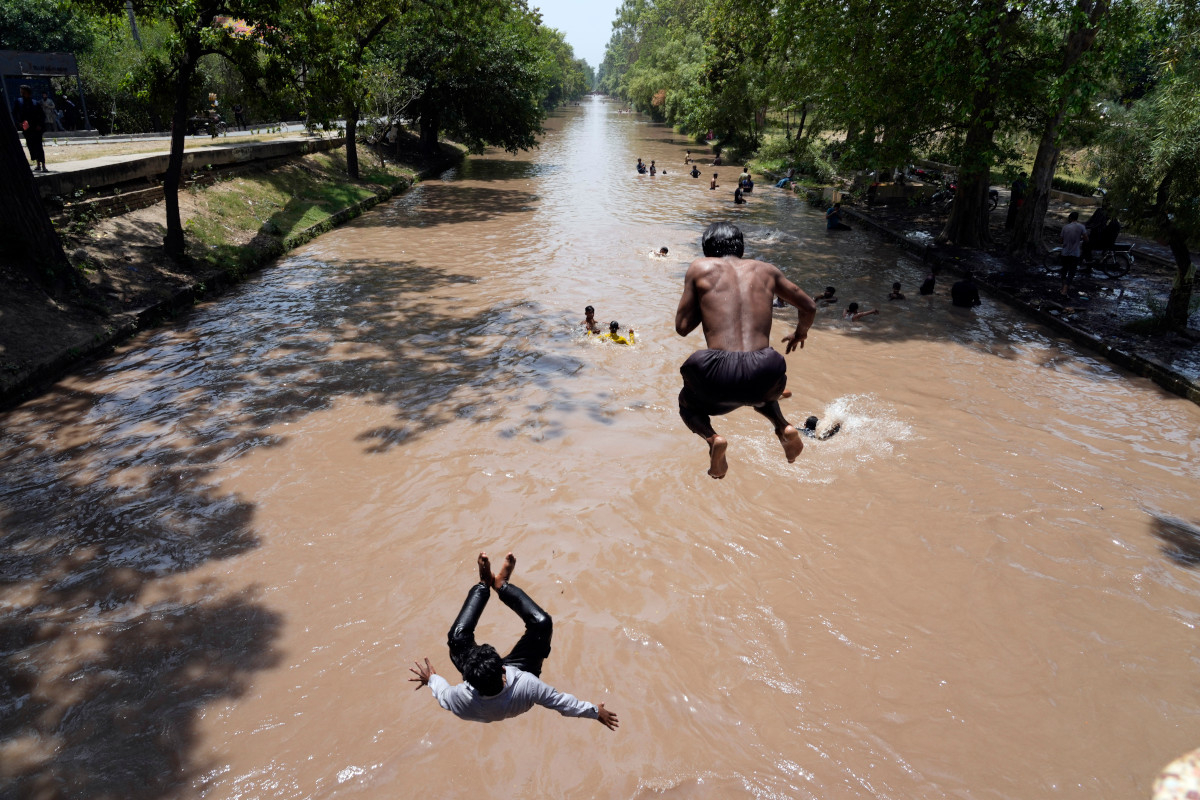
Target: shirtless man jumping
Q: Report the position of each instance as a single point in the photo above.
(731, 297)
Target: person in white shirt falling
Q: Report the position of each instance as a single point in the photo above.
(497, 688)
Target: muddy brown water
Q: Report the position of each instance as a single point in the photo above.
(224, 546)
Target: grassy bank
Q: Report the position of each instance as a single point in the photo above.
(234, 223)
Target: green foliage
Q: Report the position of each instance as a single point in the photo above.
(44, 26)
(479, 71)
(1085, 188)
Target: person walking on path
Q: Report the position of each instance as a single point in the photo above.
(51, 113)
(731, 297)
(31, 120)
(499, 688)
(1074, 234)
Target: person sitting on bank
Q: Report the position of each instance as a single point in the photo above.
(964, 293)
(716, 162)
(589, 320)
(833, 219)
(854, 315)
(810, 429)
(896, 293)
(738, 197)
(713, 185)
(695, 171)
(784, 181)
(496, 688)
(613, 336)
(828, 297)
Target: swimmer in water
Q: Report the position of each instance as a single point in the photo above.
(828, 297)
(731, 297)
(613, 336)
(738, 197)
(695, 173)
(589, 321)
(854, 315)
(661, 253)
(641, 168)
(652, 169)
(810, 429)
(687, 159)
(896, 294)
(713, 185)
(498, 688)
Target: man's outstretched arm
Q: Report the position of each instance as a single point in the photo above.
(792, 294)
(568, 705)
(687, 316)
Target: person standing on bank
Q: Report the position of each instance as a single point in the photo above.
(1016, 199)
(31, 120)
(1074, 234)
(731, 297)
(499, 688)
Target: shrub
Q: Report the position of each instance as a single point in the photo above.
(1085, 188)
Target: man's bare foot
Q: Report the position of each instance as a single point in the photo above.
(485, 570)
(510, 562)
(716, 453)
(792, 443)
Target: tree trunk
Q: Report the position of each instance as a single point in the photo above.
(968, 222)
(429, 132)
(1031, 217)
(24, 224)
(1185, 276)
(1027, 229)
(173, 242)
(351, 140)
(803, 117)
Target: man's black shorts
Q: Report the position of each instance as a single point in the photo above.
(718, 381)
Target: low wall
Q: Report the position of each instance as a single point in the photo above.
(1075, 199)
(117, 170)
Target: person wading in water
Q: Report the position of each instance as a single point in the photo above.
(731, 297)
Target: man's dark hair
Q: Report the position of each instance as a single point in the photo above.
(896, 286)
(722, 239)
(853, 307)
(1074, 215)
(612, 326)
(484, 669)
(830, 290)
(811, 423)
(589, 310)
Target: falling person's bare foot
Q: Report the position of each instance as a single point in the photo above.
(718, 465)
(792, 443)
(485, 570)
(510, 563)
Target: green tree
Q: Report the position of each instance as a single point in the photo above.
(1151, 157)
(332, 39)
(478, 72)
(40, 26)
(192, 33)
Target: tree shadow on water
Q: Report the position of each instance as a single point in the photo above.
(110, 494)
(1180, 539)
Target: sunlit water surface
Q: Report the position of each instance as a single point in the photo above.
(224, 546)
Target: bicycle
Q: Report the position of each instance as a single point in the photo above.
(1110, 263)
